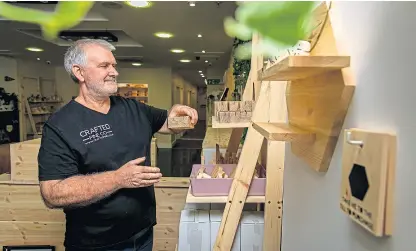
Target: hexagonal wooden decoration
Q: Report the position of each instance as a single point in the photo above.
(368, 165)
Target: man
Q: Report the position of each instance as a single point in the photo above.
(94, 159)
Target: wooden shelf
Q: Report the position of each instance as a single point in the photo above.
(282, 132)
(216, 124)
(299, 67)
(220, 199)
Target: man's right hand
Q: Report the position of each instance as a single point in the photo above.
(131, 175)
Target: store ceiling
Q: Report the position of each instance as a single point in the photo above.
(135, 28)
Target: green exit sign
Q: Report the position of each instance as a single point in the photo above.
(214, 81)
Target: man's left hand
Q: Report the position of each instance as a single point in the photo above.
(183, 110)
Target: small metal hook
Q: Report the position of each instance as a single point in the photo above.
(354, 142)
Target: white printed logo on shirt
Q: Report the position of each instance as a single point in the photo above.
(96, 133)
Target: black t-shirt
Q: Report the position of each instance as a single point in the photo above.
(77, 140)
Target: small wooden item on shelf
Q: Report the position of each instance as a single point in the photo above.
(229, 158)
(232, 114)
(183, 122)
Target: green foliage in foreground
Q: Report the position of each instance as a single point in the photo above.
(66, 15)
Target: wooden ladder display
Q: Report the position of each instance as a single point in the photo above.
(299, 99)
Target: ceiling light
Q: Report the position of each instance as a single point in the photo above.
(203, 51)
(177, 50)
(163, 34)
(38, 59)
(139, 4)
(192, 4)
(185, 60)
(206, 61)
(136, 64)
(34, 49)
(200, 71)
(199, 35)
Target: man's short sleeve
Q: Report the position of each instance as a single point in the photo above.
(157, 117)
(56, 160)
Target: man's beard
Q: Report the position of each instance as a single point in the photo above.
(104, 89)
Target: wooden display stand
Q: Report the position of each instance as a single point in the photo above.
(308, 113)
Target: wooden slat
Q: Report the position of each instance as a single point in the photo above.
(23, 158)
(31, 233)
(164, 244)
(243, 175)
(275, 162)
(219, 199)
(299, 67)
(170, 199)
(174, 182)
(216, 124)
(274, 196)
(166, 231)
(24, 203)
(282, 132)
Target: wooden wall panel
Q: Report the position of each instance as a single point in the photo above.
(24, 203)
(31, 233)
(27, 221)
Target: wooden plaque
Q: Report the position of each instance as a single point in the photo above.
(368, 166)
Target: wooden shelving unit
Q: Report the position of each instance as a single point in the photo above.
(299, 67)
(139, 92)
(302, 100)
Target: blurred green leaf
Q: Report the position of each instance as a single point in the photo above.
(234, 29)
(67, 15)
(281, 24)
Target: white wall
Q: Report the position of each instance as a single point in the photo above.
(65, 86)
(380, 38)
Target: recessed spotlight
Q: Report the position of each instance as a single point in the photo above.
(163, 34)
(199, 35)
(206, 61)
(192, 4)
(38, 59)
(34, 49)
(139, 4)
(136, 64)
(200, 71)
(185, 60)
(177, 50)
(203, 51)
